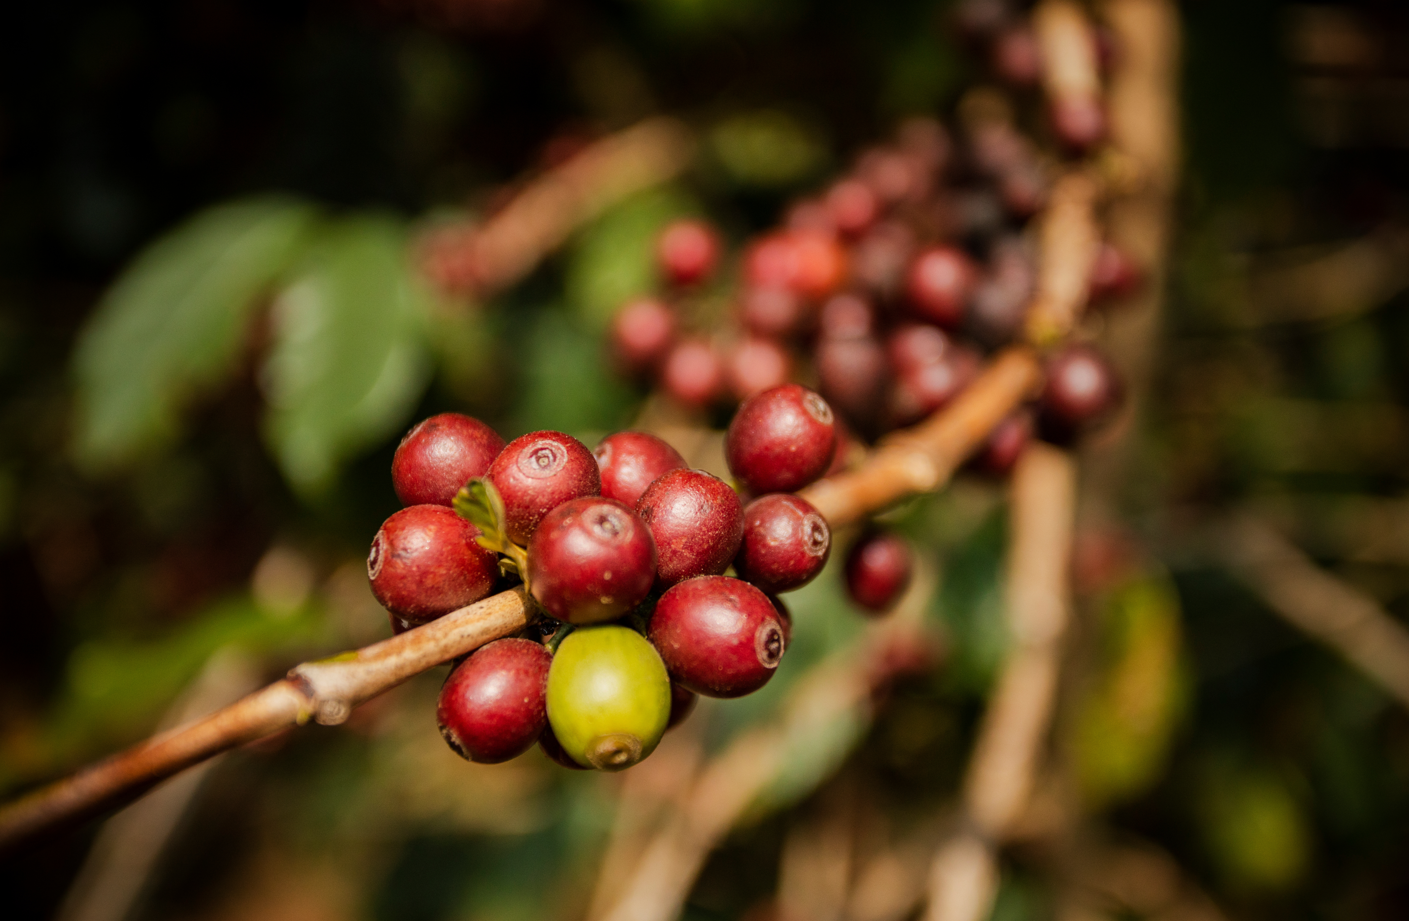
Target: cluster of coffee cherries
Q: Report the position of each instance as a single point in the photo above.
(623, 550)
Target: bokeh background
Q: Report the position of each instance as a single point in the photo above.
(184, 503)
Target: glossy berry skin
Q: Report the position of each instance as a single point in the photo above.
(687, 252)
(631, 461)
(439, 455)
(1081, 388)
(682, 704)
(781, 440)
(608, 697)
(939, 283)
(786, 543)
(591, 560)
(719, 637)
(697, 521)
(424, 562)
(878, 570)
(537, 472)
(642, 333)
(493, 707)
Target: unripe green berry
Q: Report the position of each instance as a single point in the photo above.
(608, 697)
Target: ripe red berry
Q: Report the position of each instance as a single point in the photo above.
(939, 284)
(1113, 275)
(773, 312)
(781, 440)
(1079, 121)
(878, 570)
(808, 262)
(1017, 57)
(1081, 388)
(538, 472)
(439, 455)
(847, 316)
(1004, 446)
(756, 365)
(425, 562)
(852, 206)
(631, 461)
(880, 257)
(719, 637)
(591, 560)
(852, 375)
(693, 373)
(921, 389)
(687, 251)
(642, 334)
(493, 706)
(682, 704)
(786, 543)
(697, 522)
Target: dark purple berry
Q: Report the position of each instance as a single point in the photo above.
(1004, 446)
(591, 560)
(878, 570)
(631, 461)
(1113, 275)
(719, 637)
(425, 562)
(1081, 389)
(781, 440)
(493, 705)
(939, 284)
(538, 472)
(439, 455)
(697, 522)
(786, 543)
(682, 704)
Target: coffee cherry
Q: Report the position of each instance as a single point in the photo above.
(878, 570)
(786, 543)
(921, 389)
(785, 617)
(493, 706)
(756, 365)
(538, 472)
(697, 522)
(893, 175)
(682, 704)
(773, 312)
(550, 746)
(881, 256)
(1004, 446)
(608, 697)
(439, 455)
(852, 375)
(631, 461)
(781, 440)
(687, 252)
(1081, 388)
(1078, 121)
(1017, 57)
(591, 560)
(1113, 275)
(642, 333)
(425, 562)
(719, 637)
(808, 262)
(847, 316)
(852, 206)
(693, 374)
(939, 284)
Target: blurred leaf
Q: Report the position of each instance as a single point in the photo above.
(1125, 721)
(173, 322)
(615, 259)
(970, 605)
(921, 73)
(349, 357)
(768, 148)
(1254, 826)
(566, 386)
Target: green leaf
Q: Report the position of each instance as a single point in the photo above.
(349, 357)
(479, 503)
(173, 322)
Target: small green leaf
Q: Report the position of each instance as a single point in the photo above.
(172, 324)
(350, 357)
(479, 503)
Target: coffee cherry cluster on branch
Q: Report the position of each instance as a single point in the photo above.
(623, 549)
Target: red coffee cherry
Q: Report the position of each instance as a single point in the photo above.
(773, 312)
(756, 365)
(939, 284)
(682, 704)
(852, 375)
(697, 522)
(781, 440)
(493, 707)
(881, 256)
(1017, 57)
(538, 472)
(439, 455)
(642, 333)
(591, 560)
(631, 461)
(1113, 275)
(424, 563)
(1004, 446)
(719, 637)
(1078, 121)
(878, 570)
(687, 251)
(808, 262)
(852, 206)
(1081, 389)
(847, 316)
(786, 543)
(921, 389)
(693, 373)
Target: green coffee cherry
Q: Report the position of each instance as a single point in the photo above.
(608, 697)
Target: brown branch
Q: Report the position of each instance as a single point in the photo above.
(998, 785)
(325, 690)
(1068, 242)
(1316, 602)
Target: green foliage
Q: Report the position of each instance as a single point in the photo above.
(769, 148)
(565, 385)
(479, 503)
(1253, 825)
(349, 355)
(173, 323)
